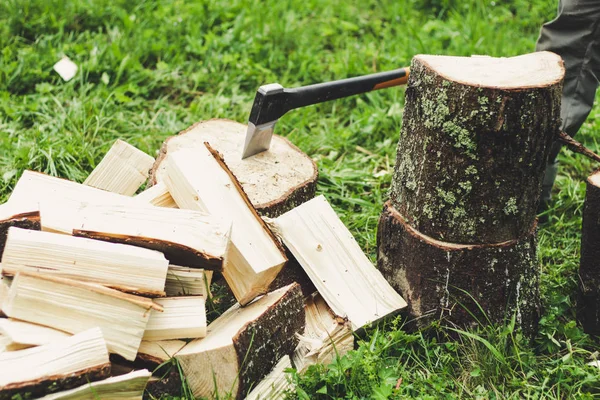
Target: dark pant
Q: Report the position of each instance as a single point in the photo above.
(575, 36)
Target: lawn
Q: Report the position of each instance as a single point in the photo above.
(149, 69)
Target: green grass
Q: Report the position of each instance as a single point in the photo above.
(149, 69)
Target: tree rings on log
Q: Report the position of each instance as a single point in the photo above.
(589, 268)
(275, 180)
(456, 281)
(475, 137)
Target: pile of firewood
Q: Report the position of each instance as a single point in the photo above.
(100, 286)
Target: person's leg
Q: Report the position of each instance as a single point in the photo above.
(575, 36)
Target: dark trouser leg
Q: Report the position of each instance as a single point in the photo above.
(575, 36)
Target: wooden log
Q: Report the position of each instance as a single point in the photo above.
(129, 386)
(457, 281)
(325, 337)
(127, 268)
(62, 364)
(276, 180)
(74, 306)
(157, 195)
(156, 352)
(185, 281)
(21, 334)
(588, 305)
(123, 169)
(15, 216)
(275, 384)
(335, 263)
(473, 146)
(180, 318)
(254, 256)
(244, 344)
(185, 237)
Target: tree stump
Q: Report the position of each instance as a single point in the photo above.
(474, 142)
(589, 268)
(457, 281)
(275, 181)
(457, 238)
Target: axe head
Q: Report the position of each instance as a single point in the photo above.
(268, 106)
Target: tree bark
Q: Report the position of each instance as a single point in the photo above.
(276, 180)
(457, 282)
(24, 221)
(589, 268)
(473, 146)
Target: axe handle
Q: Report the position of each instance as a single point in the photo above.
(272, 107)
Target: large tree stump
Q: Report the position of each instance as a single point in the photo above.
(457, 282)
(589, 268)
(457, 238)
(275, 181)
(474, 142)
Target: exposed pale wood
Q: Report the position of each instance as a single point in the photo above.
(25, 334)
(62, 364)
(34, 187)
(181, 318)
(455, 282)
(124, 387)
(335, 263)
(199, 180)
(473, 146)
(4, 288)
(244, 344)
(186, 237)
(325, 337)
(275, 384)
(120, 266)
(526, 71)
(588, 304)
(157, 352)
(185, 281)
(276, 180)
(157, 195)
(74, 306)
(15, 215)
(123, 169)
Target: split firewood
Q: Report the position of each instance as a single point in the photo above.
(276, 180)
(4, 288)
(342, 273)
(122, 170)
(185, 237)
(275, 384)
(125, 387)
(457, 281)
(74, 306)
(185, 281)
(199, 180)
(157, 352)
(34, 187)
(157, 195)
(475, 137)
(244, 344)
(589, 273)
(14, 215)
(60, 365)
(4, 343)
(325, 337)
(181, 318)
(119, 266)
(21, 334)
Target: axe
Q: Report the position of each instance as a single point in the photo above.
(273, 100)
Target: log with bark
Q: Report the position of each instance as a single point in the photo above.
(460, 282)
(276, 180)
(244, 344)
(63, 364)
(475, 137)
(588, 306)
